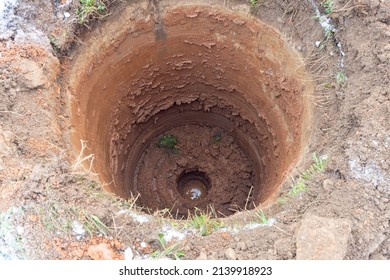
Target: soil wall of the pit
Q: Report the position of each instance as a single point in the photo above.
(167, 54)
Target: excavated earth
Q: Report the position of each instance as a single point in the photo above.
(118, 130)
(198, 65)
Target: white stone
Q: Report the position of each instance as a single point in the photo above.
(129, 254)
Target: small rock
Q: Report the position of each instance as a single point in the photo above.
(377, 256)
(101, 251)
(202, 255)
(284, 248)
(6, 139)
(78, 229)
(129, 254)
(33, 73)
(327, 184)
(230, 254)
(320, 238)
(242, 245)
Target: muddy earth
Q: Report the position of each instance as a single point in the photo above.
(204, 129)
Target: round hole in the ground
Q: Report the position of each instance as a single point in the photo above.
(228, 87)
(193, 185)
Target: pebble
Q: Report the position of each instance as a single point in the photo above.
(242, 245)
(327, 184)
(230, 254)
(377, 256)
(202, 255)
(129, 254)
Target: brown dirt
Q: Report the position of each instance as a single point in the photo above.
(146, 71)
(227, 169)
(168, 74)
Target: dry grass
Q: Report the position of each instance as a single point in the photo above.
(82, 159)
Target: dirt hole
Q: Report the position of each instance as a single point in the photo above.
(193, 185)
(190, 101)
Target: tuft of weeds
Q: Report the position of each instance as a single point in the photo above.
(329, 35)
(318, 165)
(341, 78)
(90, 9)
(253, 3)
(300, 185)
(260, 217)
(60, 219)
(168, 142)
(216, 138)
(92, 223)
(297, 187)
(54, 43)
(328, 6)
(55, 218)
(204, 222)
(170, 251)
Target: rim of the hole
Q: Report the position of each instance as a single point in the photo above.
(274, 200)
(190, 175)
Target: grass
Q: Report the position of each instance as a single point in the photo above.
(216, 138)
(329, 35)
(328, 6)
(300, 185)
(341, 78)
(204, 222)
(81, 158)
(318, 165)
(57, 218)
(253, 3)
(168, 142)
(54, 42)
(92, 223)
(171, 251)
(90, 9)
(297, 187)
(260, 217)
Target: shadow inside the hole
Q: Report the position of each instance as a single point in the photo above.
(193, 185)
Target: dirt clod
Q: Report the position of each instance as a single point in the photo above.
(321, 238)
